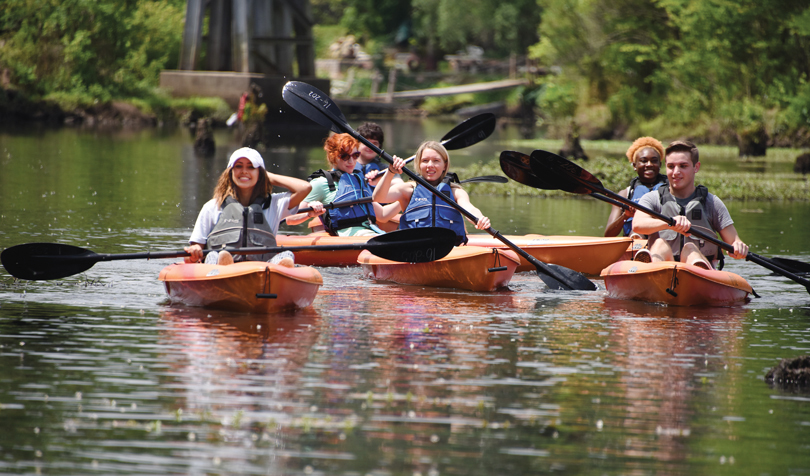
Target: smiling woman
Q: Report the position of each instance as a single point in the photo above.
(243, 211)
(645, 154)
(420, 204)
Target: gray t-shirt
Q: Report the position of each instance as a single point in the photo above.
(716, 210)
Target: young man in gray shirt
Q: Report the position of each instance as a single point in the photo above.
(690, 206)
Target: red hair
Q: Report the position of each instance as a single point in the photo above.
(337, 145)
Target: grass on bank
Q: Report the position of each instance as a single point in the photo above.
(158, 104)
(615, 173)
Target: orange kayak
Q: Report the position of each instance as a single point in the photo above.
(466, 267)
(678, 284)
(585, 254)
(316, 225)
(248, 286)
(323, 258)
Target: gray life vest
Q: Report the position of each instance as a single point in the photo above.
(242, 227)
(696, 212)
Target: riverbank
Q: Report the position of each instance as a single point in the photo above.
(153, 111)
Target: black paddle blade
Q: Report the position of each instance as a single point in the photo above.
(413, 245)
(573, 280)
(567, 173)
(517, 166)
(314, 104)
(469, 132)
(792, 265)
(43, 261)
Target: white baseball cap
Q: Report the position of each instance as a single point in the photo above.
(252, 155)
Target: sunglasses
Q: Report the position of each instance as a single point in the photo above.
(353, 156)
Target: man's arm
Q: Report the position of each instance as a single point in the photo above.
(730, 236)
(645, 224)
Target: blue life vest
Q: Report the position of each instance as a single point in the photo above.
(350, 187)
(425, 209)
(638, 190)
(375, 164)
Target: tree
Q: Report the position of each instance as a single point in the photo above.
(100, 48)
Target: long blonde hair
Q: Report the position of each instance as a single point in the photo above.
(226, 187)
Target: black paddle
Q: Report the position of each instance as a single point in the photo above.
(42, 261)
(573, 178)
(794, 266)
(517, 166)
(317, 106)
(469, 132)
(350, 203)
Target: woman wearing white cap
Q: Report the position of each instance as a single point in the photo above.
(244, 212)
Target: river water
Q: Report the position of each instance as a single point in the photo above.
(99, 374)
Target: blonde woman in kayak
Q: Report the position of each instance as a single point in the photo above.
(422, 207)
(244, 189)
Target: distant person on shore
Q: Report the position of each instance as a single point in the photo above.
(344, 182)
(422, 207)
(645, 154)
(690, 206)
(245, 189)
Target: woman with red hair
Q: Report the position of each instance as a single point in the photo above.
(343, 183)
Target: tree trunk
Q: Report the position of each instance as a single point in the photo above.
(571, 147)
(753, 143)
(204, 139)
(802, 165)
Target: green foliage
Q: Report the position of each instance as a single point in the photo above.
(99, 49)
(443, 26)
(743, 115)
(375, 18)
(685, 61)
(325, 35)
(558, 99)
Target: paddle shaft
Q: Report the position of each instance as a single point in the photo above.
(97, 257)
(495, 233)
(351, 203)
(345, 203)
(762, 261)
(609, 200)
(463, 135)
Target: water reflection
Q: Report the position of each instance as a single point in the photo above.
(668, 355)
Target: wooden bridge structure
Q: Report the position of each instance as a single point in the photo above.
(266, 42)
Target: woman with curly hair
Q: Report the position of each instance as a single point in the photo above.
(646, 155)
(343, 182)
